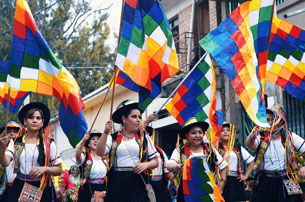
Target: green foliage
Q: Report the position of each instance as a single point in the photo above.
(75, 32)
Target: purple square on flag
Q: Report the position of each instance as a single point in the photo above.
(18, 44)
(32, 48)
(17, 58)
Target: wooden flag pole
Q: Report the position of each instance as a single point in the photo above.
(7, 108)
(116, 68)
(169, 97)
(229, 104)
(111, 83)
(112, 97)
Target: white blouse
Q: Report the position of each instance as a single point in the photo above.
(10, 175)
(158, 171)
(245, 155)
(98, 169)
(221, 163)
(29, 156)
(275, 155)
(127, 154)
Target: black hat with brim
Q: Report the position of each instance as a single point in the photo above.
(191, 123)
(93, 133)
(123, 106)
(35, 105)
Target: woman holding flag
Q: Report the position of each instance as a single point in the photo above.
(194, 157)
(93, 167)
(236, 156)
(278, 168)
(131, 156)
(34, 154)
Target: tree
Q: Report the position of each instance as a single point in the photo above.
(75, 32)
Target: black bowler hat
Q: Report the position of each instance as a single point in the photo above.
(123, 106)
(35, 105)
(190, 123)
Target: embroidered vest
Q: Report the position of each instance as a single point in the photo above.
(19, 146)
(185, 153)
(291, 163)
(237, 151)
(117, 139)
(87, 166)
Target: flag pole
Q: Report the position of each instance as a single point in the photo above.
(195, 66)
(7, 108)
(110, 83)
(116, 68)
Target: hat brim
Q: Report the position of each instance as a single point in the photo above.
(33, 105)
(117, 115)
(184, 130)
(91, 136)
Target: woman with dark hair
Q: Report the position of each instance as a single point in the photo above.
(236, 156)
(34, 153)
(93, 167)
(275, 149)
(131, 155)
(197, 148)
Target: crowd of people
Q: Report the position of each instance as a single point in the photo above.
(127, 166)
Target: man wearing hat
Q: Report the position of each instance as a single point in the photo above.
(275, 159)
(13, 130)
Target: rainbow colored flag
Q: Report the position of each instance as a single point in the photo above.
(16, 97)
(146, 53)
(286, 58)
(198, 182)
(35, 68)
(239, 46)
(196, 96)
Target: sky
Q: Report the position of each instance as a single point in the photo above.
(114, 16)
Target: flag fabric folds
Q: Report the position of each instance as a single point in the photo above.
(239, 45)
(198, 182)
(146, 53)
(196, 96)
(35, 68)
(16, 97)
(286, 58)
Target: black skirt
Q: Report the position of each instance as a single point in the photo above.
(48, 193)
(161, 191)
(86, 191)
(234, 190)
(271, 189)
(125, 186)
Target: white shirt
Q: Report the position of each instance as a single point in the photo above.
(10, 176)
(158, 171)
(221, 163)
(245, 155)
(275, 155)
(127, 153)
(98, 169)
(29, 156)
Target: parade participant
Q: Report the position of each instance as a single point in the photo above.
(195, 146)
(34, 154)
(236, 156)
(13, 130)
(131, 156)
(275, 159)
(93, 169)
(70, 192)
(160, 177)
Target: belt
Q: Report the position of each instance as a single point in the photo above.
(123, 168)
(27, 178)
(96, 181)
(275, 173)
(9, 185)
(156, 178)
(233, 173)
